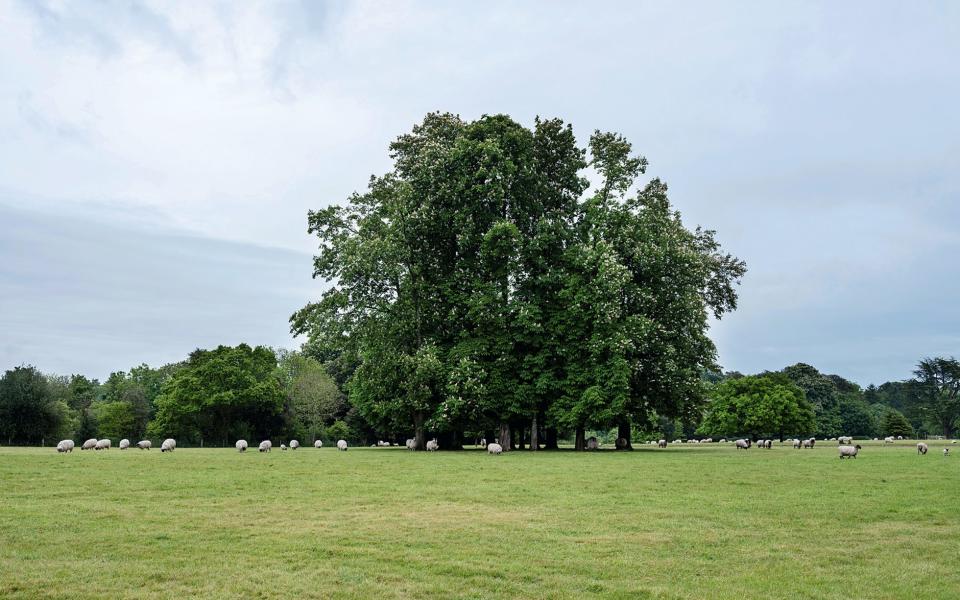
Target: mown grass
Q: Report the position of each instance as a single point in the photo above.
(685, 522)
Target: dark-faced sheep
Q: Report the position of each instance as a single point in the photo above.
(922, 448)
(849, 451)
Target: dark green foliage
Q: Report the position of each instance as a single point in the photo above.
(895, 424)
(29, 412)
(937, 386)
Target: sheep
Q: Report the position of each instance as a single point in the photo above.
(592, 443)
(946, 451)
(144, 444)
(797, 443)
(849, 451)
(922, 448)
(723, 440)
(65, 446)
(707, 441)
(807, 444)
(241, 445)
(318, 444)
(342, 445)
(743, 444)
(888, 440)
(265, 446)
(765, 444)
(432, 445)
(283, 447)
(844, 440)
(102, 445)
(494, 448)
(168, 445)
(294, 444)
(90, 444)
(124, 444)
(662, 444)
(899, 437)
(411, 444)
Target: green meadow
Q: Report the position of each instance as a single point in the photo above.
(685, 522)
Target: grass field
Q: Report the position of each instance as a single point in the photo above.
(684, 522)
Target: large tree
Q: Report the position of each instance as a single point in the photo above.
(222, 394)
(476, 287)
(29, 412)
(758, 406)
(938, 386)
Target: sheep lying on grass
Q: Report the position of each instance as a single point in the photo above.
(168, 445)
(265, 446)
(124, 444)
(241, 445)
(888, 440)
(342, 445)
(144, 444)
(495, 448)
(849, 451)
(65, 446)
(922, 448)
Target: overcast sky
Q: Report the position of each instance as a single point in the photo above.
(157, 160)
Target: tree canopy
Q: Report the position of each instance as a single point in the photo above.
(758, 406)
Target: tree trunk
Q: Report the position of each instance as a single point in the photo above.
(580, 442)
(623, 431)
(534, 435)
(489, 436)
(505, 436)
(419, 434)
(551, 441)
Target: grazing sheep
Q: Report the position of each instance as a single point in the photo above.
(90, 444)
(495, 448)
(432, 445)
(168, 445)
(283, 447)
(124, 444)
(265, 446)
(743, 444)
(592, 443)
(144, 444)
(294, 444)
(922, 448)
(849, 451)
(662, 444)
(888, 440)
(241, 445)
(342, 445)
(723, 440)
(845, 440)
(318, 444)
(65, 446)
(707, 441)
(102, 445)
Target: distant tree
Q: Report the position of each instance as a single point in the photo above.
(823, 395)
(763, 405)
(116, 420)
(894, 423)
(938, 386)
(313, 399)
(856, 419)
(221, 394)
(29, 413)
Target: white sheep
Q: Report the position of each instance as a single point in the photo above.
(889, 439)
(265, 446)
(592, 443)
(90, 444)
(241, 445)
(144, 444)
(411, 444)
(283, 447)
(65, 446)
(124, 444)
(103, 444)
(946, 451)
(797, 443)
(845, 440)
(318, 444)
(849, 451)
(294, 444)
(662, 444)
(342, 445)
(899, 437)
(743, 444)
(495, 448)
(168, 445)
(432, 445)
(922, 448)
(723, 440)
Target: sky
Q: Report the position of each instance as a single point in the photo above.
(158, 159)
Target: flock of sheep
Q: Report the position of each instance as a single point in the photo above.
(169, 445)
